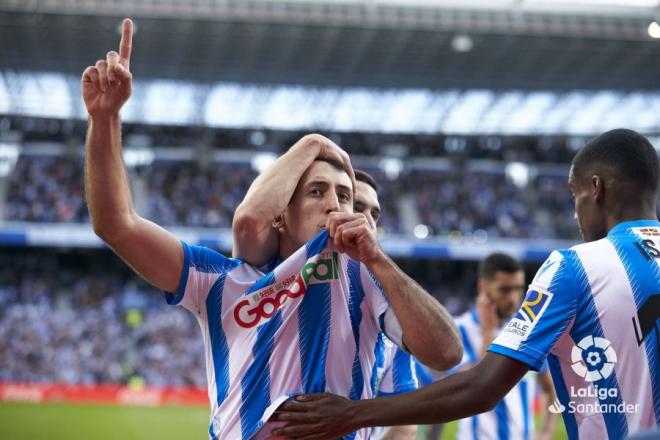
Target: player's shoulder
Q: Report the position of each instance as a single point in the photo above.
(205, 259)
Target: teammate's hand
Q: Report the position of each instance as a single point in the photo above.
(332, 151)
(352, 234)
(487, 311)
(107, 85)
(316, 416)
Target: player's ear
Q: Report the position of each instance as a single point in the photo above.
(278, 222)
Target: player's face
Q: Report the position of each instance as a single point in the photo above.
(591, 221)
(506, 290)
(366, 202)
(321, 190)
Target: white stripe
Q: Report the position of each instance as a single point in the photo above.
(615, 302)
(514, 411)
(341, 346)
(239, 358)
(551, 266)
(589, 425)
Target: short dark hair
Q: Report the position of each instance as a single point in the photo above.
(498, 262)
(365, 177)
(335, 163)
(626, 154)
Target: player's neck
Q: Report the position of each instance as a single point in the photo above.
(632, 213)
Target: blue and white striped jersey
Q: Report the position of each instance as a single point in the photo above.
(397, 375)
(512, 418)
(593, 311)
(314, 323)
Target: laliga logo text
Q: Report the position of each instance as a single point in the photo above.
(593, 360)
(264, 303)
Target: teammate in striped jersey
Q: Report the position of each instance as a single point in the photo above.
(501, 288)
(591, 310)
(398, 374)
(308, 320)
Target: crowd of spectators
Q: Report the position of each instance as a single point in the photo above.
(83, 318)
(203, 193)
(186, 193)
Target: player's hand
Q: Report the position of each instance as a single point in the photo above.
(352, 234)
(107, 85)
(332, 151)
(316, 416)
(487, 311)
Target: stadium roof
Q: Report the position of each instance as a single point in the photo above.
(498, 44)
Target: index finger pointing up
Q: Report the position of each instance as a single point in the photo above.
(126, 43)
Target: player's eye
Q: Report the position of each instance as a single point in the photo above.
(316, 192)
(358, 207)
(344, 197)
(375, 215)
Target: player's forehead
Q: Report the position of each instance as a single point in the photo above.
(504, 277)
(320, 172)
(365, 194)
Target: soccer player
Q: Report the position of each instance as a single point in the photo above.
(592, 310)
(500, 286)
(305, 321)
(399, 374)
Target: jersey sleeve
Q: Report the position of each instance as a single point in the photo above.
(400, 375)
(201, 268)
(547, 311)
(380, 308)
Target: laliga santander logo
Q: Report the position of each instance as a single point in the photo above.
(264, 303)
(593, 358)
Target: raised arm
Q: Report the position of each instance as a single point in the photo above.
(429, 332)
(255, 237)
(150, 250)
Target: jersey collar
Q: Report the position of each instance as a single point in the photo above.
(623, 227)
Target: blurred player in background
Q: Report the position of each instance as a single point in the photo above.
(501, 287)
(592, 310)
(306, 320)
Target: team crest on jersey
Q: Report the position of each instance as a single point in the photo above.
(260, 306)
(534, 305)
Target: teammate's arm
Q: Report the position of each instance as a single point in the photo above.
(149, 249)
(429, 331)
(325, 416)
(255, 238)
(549, 419)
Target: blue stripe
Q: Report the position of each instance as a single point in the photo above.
(356, 296)
(402, 372)
(645, 282)
(562, 394)
(255, 384)
(587, 323)
(475, 316)
(472, 357)
(502, 415)
(314, 331)
(524, 401)
(379, 354)
(219, 347)
(475, 427)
